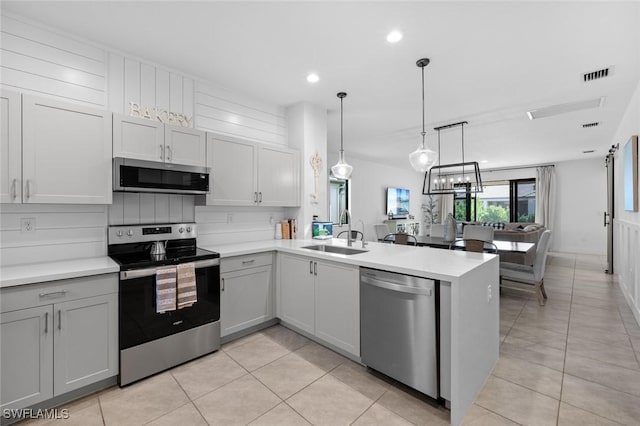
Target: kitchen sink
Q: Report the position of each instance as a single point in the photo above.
(335, 249)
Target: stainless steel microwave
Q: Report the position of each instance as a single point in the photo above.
(150, 176)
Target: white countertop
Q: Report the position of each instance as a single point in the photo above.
(448, 265)
(420, 261)
(50, 271)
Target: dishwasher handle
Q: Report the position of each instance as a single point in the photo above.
(396, 287)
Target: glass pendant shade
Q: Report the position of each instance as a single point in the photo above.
(341, 170)
(422, 159)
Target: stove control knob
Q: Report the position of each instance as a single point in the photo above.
(188, 229)
(181, 230)
(130, 232)
(119, 234)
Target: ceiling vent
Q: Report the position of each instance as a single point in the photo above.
(588, 125)
(595, 75)
(564, 108)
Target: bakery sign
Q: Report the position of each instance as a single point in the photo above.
(161, 115)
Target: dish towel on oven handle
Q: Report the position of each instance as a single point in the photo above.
(166, 289)
(187, 290)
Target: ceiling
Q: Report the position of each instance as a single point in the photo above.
(491, 62)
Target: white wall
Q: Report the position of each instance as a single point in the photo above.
(308, 134)
(369, 183)
(627, 224)
(581, 197)
(44, 61)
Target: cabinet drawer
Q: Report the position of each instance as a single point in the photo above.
(248, 261)
(46, 293)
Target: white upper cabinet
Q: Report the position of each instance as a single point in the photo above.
(278, 177)
(233, 179)
(143, 139)
(10, 147)
(66, 153)
(138, 138)
(245, 173)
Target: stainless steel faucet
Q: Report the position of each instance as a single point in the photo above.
(364, 242)
(344, 213)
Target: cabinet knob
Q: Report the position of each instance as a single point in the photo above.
(188, 229)
(119, 234)
(181, 230)
(130, 232)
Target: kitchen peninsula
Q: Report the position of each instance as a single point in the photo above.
(469, 303)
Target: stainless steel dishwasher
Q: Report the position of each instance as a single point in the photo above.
(398, 328)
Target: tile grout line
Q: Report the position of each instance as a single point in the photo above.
(566, 348)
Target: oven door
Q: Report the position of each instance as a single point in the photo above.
(139, 321)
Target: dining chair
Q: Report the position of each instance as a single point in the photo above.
(355, 235)
(528, 275)
(475, 238)
(401, 238)
(477, 246)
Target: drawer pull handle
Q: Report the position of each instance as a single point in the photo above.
(59, 319)
(246, 262)
(222, 289)
(46, 322)
(177, 322)
(311, 267)
(169, 153)
(60, 293)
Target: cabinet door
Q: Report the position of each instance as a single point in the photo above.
(337, 306)
(10, 147)
(139, 138)
(26, 358)
(233, 179)
(66, 151)
(278, 177)
(245, 299)
(86, 342)
(184, 146)
(297, 306)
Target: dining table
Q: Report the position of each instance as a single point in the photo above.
(502, 246)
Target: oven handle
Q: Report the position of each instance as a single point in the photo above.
(148, 272)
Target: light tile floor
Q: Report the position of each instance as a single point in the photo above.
(571, 362)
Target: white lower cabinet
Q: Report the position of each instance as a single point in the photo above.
(321, 298)
(297, 292)
(338, 306)
(246, 292)
(57, 337)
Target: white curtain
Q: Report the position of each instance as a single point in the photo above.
(446, 204)
(545, 196)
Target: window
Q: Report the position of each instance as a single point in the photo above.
(501, 201)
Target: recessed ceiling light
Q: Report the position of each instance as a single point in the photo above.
(394, 36)
(313, 78)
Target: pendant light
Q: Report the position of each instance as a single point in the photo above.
(341, 170)
(422, 159)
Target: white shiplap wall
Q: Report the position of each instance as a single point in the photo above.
(44, 61)
(627, 262)
(61, 232)
(38, 61)
(220, 111)
(133, 80)
(224, 225)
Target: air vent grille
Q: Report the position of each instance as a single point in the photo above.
(588, 125)
(595, 75)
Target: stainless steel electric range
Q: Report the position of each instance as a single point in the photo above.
(150, 341)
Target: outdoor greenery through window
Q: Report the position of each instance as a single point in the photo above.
(501, 201)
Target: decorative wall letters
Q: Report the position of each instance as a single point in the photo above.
(161, 115)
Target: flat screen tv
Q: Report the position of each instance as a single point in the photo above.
(398, 202)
